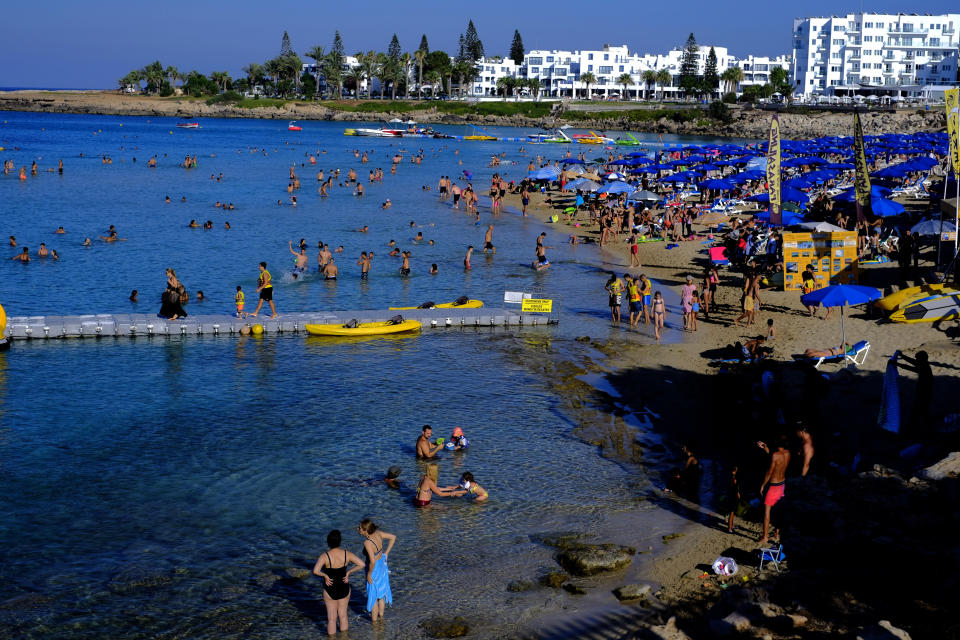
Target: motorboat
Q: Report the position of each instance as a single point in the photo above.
(554, 138)
(293, 126)
(188, 125)
(592, 138)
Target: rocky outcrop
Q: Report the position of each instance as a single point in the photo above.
(591, 559)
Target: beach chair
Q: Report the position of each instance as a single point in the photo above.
(773, 555)
(856, 355)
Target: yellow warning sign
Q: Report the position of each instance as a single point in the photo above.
(536, 305)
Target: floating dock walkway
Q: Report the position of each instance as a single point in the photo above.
(134, 325)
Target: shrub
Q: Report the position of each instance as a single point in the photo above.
(719, 111)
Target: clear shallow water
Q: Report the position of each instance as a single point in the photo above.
(163, 488)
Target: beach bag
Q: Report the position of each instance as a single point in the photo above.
(397, 319)
(462, 300)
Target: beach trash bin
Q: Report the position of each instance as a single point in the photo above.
(724, 566)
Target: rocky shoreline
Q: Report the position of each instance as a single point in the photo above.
(744, 122)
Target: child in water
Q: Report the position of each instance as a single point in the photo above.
(468, 484)
(457, 440)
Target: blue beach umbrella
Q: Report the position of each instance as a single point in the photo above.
(840, 295)
(885, 208)
(717, 184)
(546, 173)
(572, 161)
(617, 187)
(850, 195)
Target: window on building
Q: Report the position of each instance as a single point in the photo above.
(589, 56)
(535, 61)
(549, 58)
(813, 28)
(868, 38)
(606, 57)
(589, 67)
(838, 41)
(868, 25)
(839, 28)
(880, 25)
(835, 56)
(534, 69)
(560, 71)
(834, 83)
(603, 69)
(621, 67)
(934, 42)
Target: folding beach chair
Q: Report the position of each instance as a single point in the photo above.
(772, 555)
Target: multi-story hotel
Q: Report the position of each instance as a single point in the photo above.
(891, 54)
(560, 71)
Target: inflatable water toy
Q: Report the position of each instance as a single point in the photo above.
(893, 301)
(365, 329)
(293, 126)
(463, 304)
(929, 309)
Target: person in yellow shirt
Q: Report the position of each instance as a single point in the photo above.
(645, 289)
(265, 289)
(633, 299)
(614, 287)
(240, 298)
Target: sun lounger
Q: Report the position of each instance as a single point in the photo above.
(856, 354)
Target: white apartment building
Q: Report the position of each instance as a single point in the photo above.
(559, 71)
(874, 53)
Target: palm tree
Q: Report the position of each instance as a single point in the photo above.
(316, 54)
(153, 73)
(649, 78)
(333, 72)
(624, 81)
(172, 74)
(433, 79)
(502, 86)
(405, 64)
(132, 78)
(354, 78)
(588, 79)
(272, 70)
(419, 57)
(221, 78)
(254, 74)
(534, 84)
(663, 79)
(732, 77)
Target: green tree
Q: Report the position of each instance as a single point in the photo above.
(732, 78)
(172, 74)
(625, 80)
(333, 65)
(393, 50)
(221, 79)
(588, 79)
(423, 44)
(516, 48)
(474, 47)
(664, 79)
(502, 86)
(254, 74)
(419, 57)
(154, 75)
(689, 67)
(285, 48)
(649, 78)
(710, 77)
(433, 78)
(780, 80)
(353, 79)
(534, 84)
(272, 69)
(132, 78)
(370, 64)
(308, 84)
(316, 54)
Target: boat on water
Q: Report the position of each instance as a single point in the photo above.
(456, 304)
(293, 126)
(592, 138)
(364, 329)
(630, 142)
(549, 138)
(188, 125)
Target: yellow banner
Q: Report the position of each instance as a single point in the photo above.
(952, 97)
(773, 172)
(536, 305)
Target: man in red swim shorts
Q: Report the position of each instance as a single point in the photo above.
(775, 478)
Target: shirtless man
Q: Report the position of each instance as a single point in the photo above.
(405, 267)
(302, 260)
(324, 256)
(806, 443)
(466, 258)
(364, 263)
(330, 270)
(42, 251)
(488, 240)
(775, 478)
(23, 256)
(424, 448)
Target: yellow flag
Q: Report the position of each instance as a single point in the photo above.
(952, 97)
(773, 172)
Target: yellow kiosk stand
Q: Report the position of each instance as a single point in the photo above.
(831, 254)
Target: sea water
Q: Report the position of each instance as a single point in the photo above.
(181, 487)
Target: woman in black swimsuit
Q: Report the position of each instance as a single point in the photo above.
(332, 567)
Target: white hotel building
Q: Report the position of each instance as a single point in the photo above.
(874, 53)
(559, 71)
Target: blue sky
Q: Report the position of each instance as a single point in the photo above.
(92, 43)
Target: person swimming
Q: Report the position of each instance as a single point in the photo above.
(469, 485)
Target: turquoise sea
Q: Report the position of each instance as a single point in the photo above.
(180, 487)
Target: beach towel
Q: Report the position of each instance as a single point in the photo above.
(380, 588)
(889, 418)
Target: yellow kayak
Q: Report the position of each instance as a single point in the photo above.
(893, 301)
(469, 304)
(479, 137)
(365, 329)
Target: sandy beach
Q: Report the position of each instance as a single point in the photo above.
(831, 514)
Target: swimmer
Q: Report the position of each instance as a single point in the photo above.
(458, 440)
(424, 447)
(466, 258)
(59, 230)
(193, 225)
(405, 267)
(226, 225)
(330, 270)
(134, 296)
(418, 237)
(42, 251)
(200, 296)
(433, 269)
(54, 254)
(13, 241)
(23, 256)
(387, 204)
(86, 242)
(469, 485)
(363, 229)
(488, 239)
(393, 477)
(338, 249)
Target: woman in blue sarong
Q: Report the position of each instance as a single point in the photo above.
(378, 574)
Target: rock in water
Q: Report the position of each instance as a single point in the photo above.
(554, 579)
(441, 627)
(883, 630)
(666, 631)
(517, 586)
(631, 592)
(590, 559)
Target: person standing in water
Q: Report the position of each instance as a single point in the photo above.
(488, 240)
(466, 258)
(378, 574)
(334, 567)
(302, 260)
